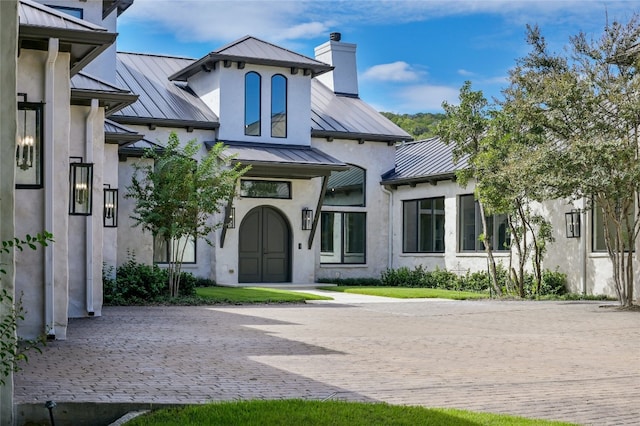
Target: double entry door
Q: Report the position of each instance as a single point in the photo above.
(265, 248)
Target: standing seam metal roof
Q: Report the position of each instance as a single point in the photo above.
(147, 75)
(33, 13)
(422, 160)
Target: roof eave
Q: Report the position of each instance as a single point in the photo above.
(419, 179)
(266, 169)
(112, 101)
(165, 122)
(389, 139)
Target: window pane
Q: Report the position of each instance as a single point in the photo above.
(163, 250)
(502, 237)
(29, 146)
(72, 11)
(278, 106)
(598, 237)
(346, 188)
(326, 232)
(354, 237)
(331, 231)
(252, 104)
(265, 189)
(410, 223)
(467, 226)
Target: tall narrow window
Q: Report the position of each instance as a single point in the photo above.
(423, 226)
(346, 188)
(252, 104)
(470, 227)
(278, 106)
(29, 145)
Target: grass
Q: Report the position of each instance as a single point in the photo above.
(321, 413)
(410, 292)
(235, 295)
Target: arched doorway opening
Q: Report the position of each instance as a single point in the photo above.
(264, 251)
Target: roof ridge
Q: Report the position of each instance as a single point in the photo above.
(247, 37)
(157, 55)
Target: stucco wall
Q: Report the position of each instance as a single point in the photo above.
(376, 158)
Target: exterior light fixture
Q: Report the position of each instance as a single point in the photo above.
(28, 144)
(572, 221)
(230, 218)
(110, 207)
(80, 187)
(307, 219)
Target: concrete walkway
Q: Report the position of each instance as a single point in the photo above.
(578, 362)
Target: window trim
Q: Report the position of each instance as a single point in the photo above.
(343, 241)
(286, 105)
(417, 225)
(258, 101)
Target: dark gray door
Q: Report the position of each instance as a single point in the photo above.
(264, 250)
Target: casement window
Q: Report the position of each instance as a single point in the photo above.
(598, 243)
(265, 189)
(470, 227)
(278, 106)
(343, 237)
(346, 188)
(29, 159)
(252, 87)
(165, 251)
(423, 225)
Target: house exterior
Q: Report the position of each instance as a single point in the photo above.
(335, 190)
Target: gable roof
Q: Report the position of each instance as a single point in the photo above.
(428, 160)
(253, 51)
(83, 40)
(349, 117)
(85, 87)
(160, 101)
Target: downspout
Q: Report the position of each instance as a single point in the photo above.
(390, 243)
(49, 200)
(93, 111)
(583, 249)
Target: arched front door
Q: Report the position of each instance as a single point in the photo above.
(265, 248)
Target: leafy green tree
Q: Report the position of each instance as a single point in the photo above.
(466, 126)
(177, 195)
(422, 125)
(11, 354)
(586, 102)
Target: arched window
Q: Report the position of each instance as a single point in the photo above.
(278, 106)
(346, 188)
(252, 104)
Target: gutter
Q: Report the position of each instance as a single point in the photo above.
(49, 201)
(93, 111)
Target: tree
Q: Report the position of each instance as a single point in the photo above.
(465, 126)
(586, 102)
(10, 353)
(177, 195)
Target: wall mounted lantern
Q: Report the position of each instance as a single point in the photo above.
(110, 207)
(80, 187)
(29, 144)
(307, 219)
(572, 221)
(230, 217)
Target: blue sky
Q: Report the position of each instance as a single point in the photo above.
(412, 55)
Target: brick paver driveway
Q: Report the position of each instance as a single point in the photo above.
(577, 362)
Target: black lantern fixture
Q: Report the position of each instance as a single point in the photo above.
(230, 217)
(307, 219)
(28, 144)
(80, 187)
(572, 221)
(110, 207)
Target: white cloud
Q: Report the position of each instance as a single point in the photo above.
(466, 73)
(396, 71)
(425, 97)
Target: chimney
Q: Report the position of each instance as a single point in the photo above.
(344, 78)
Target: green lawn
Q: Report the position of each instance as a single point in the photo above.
(410, 292)
(238, 295)
(321, 413)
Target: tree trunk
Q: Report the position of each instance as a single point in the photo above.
(493, 275)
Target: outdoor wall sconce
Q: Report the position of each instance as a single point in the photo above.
(28, 144)
(307, 219)
(230, 218)
(110, 207)
(572, 220)
(80, 187)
